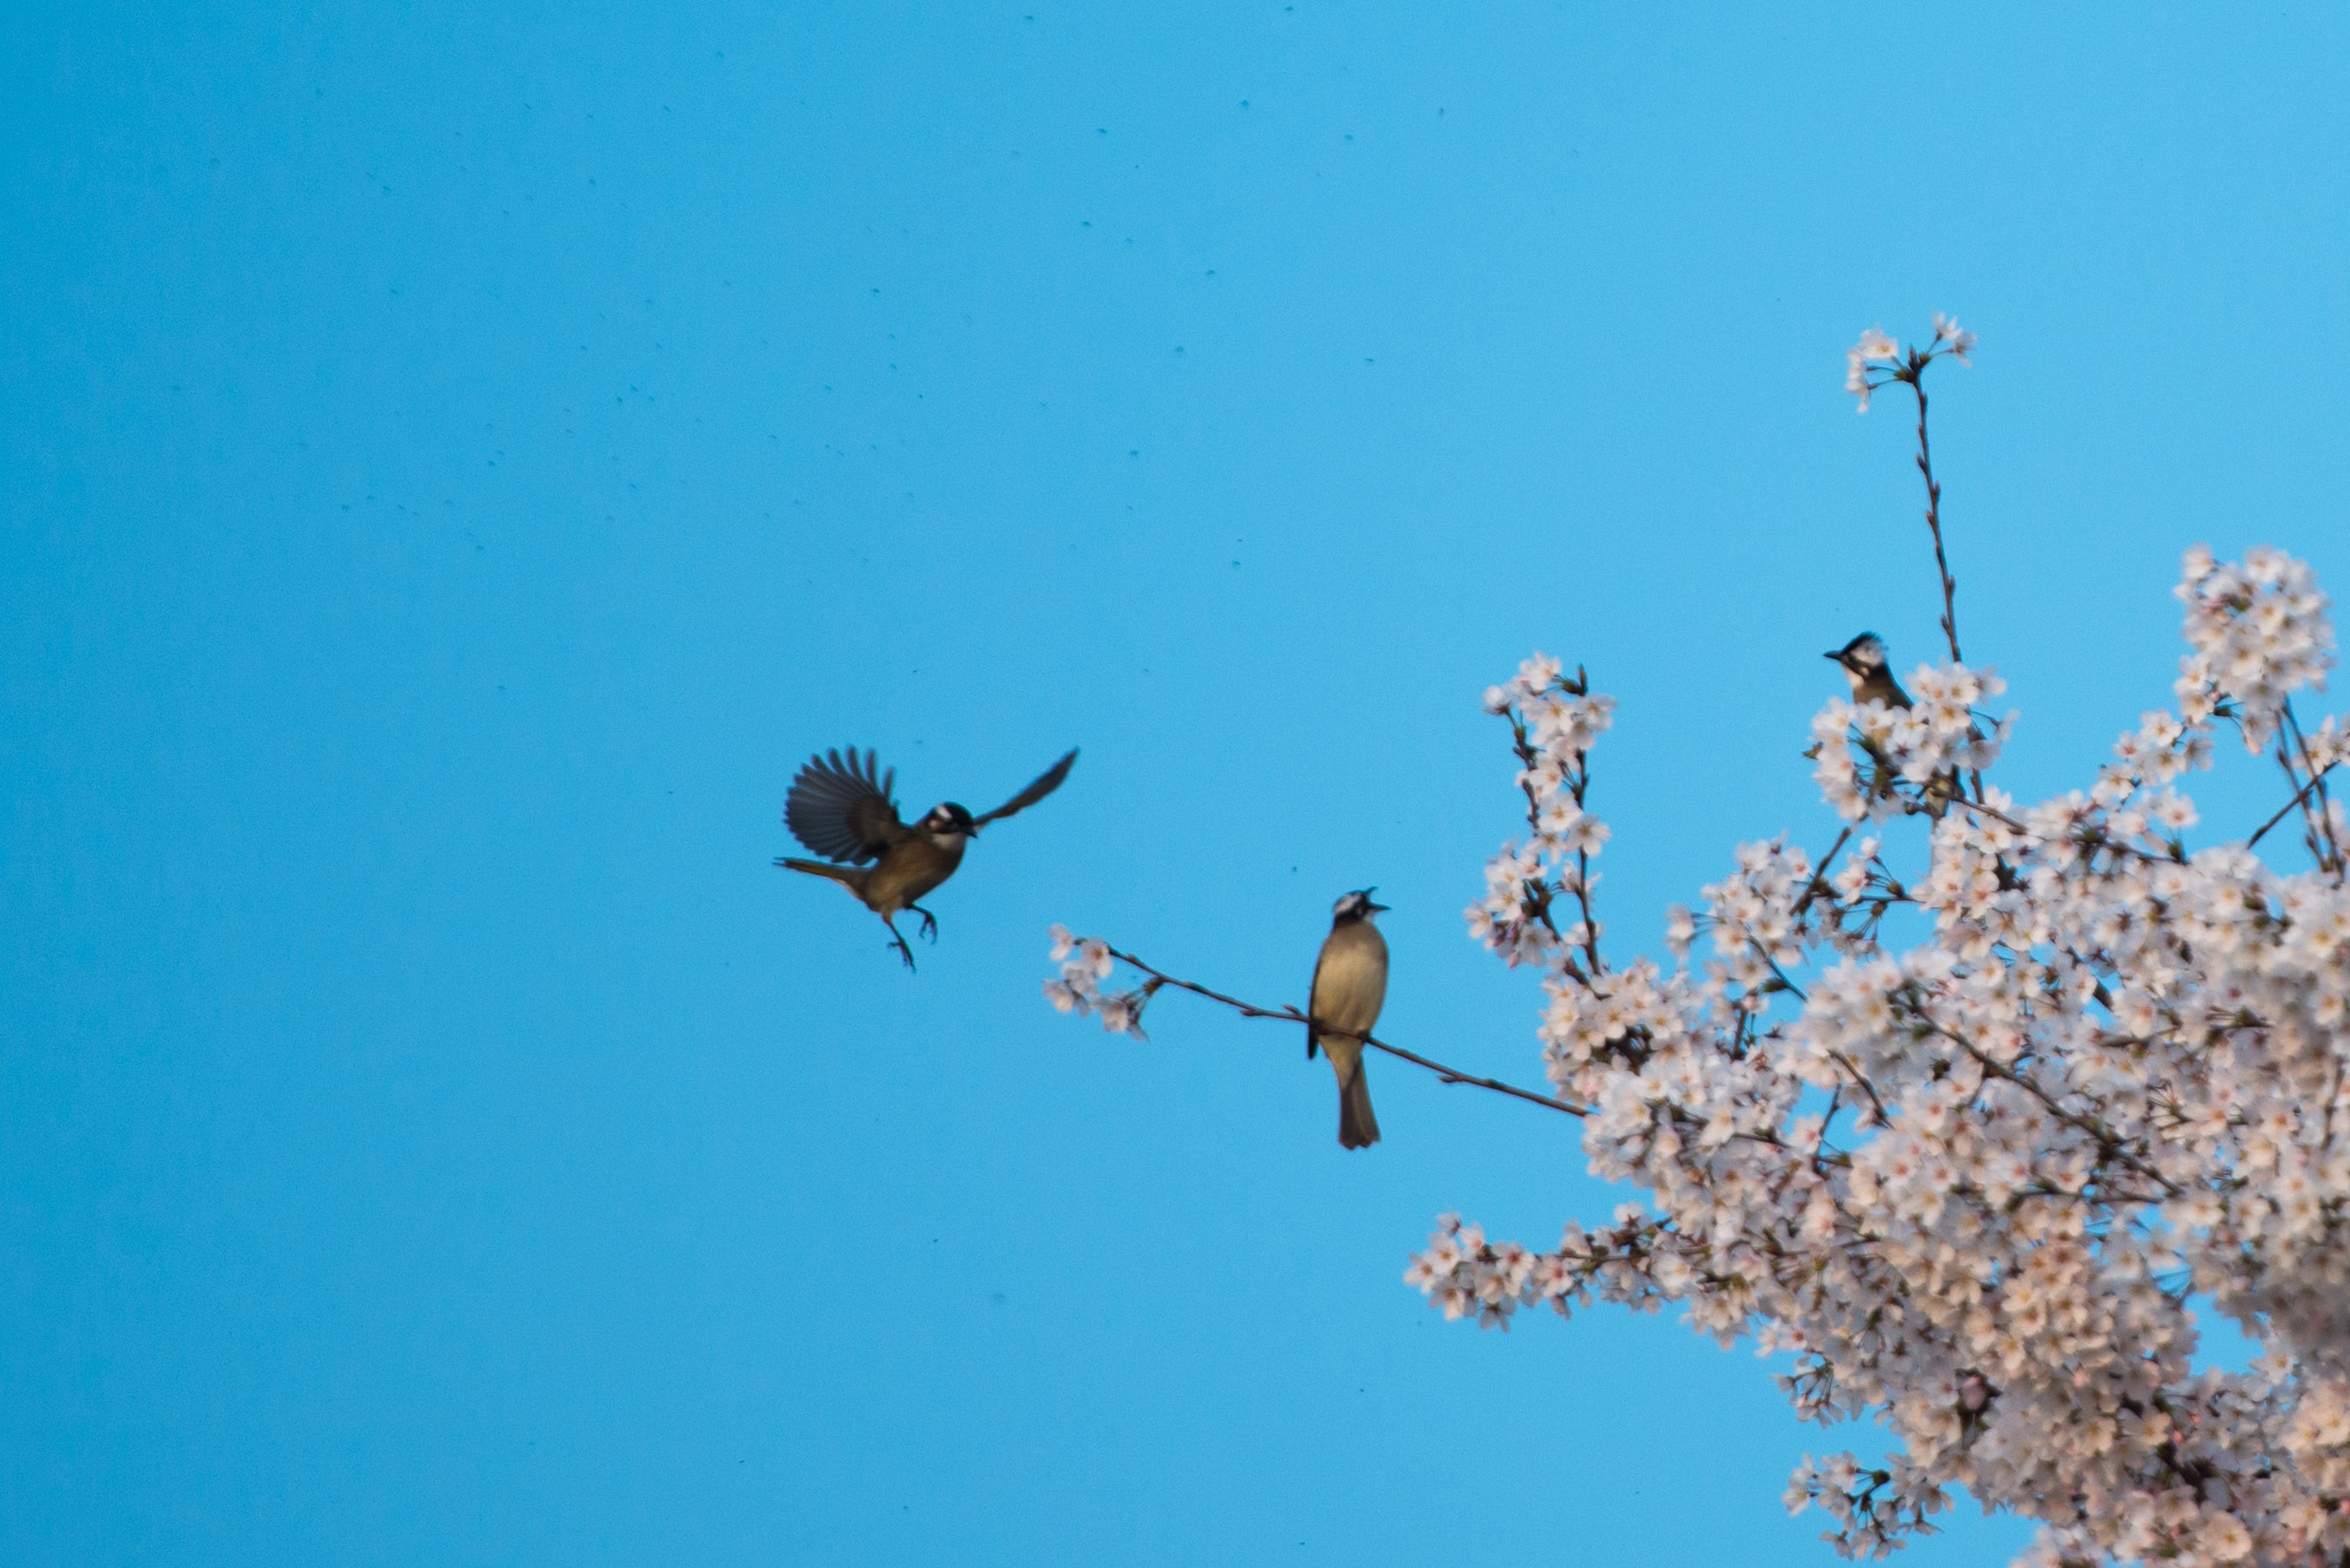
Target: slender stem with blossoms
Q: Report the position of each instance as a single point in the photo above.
(1086, 962)
(1877, 361)
(1970, 1187)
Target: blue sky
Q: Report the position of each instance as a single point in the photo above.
(455, 466)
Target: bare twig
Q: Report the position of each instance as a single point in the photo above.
(2321, 819)
(2287, 808)
(1835, 1103)
(1914, 375)
(1819, 882)
(1861, 1079)
(1287, 1013)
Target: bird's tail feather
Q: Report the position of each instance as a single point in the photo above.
(1358, 1127)
(850, 877)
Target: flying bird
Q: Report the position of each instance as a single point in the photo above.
(840, 807)
(1350, 986)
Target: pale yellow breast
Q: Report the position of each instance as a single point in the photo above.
(1350, 982)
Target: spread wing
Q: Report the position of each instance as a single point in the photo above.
(841, 808)
(1046, 782)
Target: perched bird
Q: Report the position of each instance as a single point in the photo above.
(1351, 985)
(841, 809)
(1863, 665)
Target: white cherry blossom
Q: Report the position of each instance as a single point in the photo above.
(1966, 1175)
(1970, 1187)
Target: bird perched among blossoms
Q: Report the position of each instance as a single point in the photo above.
(840, 807)
(1350, 986)
(1864, 663)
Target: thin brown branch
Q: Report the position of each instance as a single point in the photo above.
(1524, 746)
(2109, 1142)
(1583, 897)
(2321, 818)
(1819, 882)
(2103, 841)
(1861, 1079)
(2288, 807)
(1577, 779)
(1914, 373)
(1835, 1102)
(1289, 1014)
(1535, 895)
(1916, 378)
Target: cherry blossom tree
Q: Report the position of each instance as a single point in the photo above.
(1969, 1188)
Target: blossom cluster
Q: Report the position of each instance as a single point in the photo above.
(2258, 632)
(1874, 1509)
(1863, 753)
(1971, 1185)
(1876, 360)
(1554, 721)
(1086, 963)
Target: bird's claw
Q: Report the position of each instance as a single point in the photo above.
(929, 924)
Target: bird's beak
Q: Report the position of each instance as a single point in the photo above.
(1834, 653)
(1380, 906)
